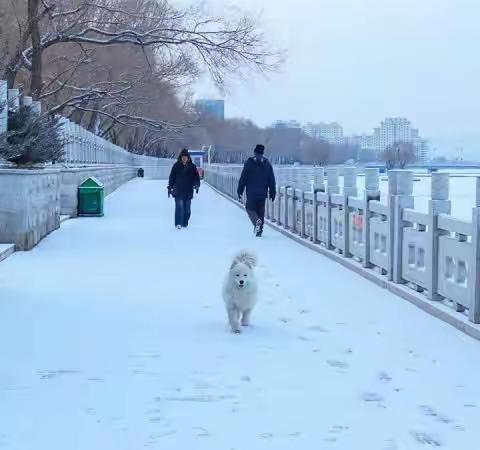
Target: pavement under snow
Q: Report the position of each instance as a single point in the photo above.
(113, 336)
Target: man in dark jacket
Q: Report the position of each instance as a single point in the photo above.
(259, 180)
(184, 179)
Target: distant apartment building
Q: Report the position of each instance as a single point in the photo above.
(330, 132)
(213, 108)
(391, 131)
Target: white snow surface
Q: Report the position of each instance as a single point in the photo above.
(113, 336)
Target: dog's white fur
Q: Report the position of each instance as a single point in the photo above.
(240, 290)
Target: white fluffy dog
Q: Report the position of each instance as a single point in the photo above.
(240, 290)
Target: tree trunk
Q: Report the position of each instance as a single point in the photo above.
(10, 77)
(37, 69)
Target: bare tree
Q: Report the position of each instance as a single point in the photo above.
(399, 155)
(315, 151)
(115, 65)
(224, 47)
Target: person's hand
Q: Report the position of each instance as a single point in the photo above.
(196, 189)
(169, 189)
(272, 197)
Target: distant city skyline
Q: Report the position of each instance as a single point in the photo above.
(356, 61)
(392, 130)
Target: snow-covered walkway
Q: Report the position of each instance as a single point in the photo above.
(113, 336)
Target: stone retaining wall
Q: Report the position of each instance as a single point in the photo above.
(29, 205)
(31, 201)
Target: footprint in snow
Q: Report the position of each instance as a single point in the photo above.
(317, 329)
(266, 436)
(372, 397)
(201, 432)
(384, 377)
(338, 364)
(284, 319)
(413, 354)
(430, 412)
(50, 374)
(470, 405)
(96, 380)
(426, 438)
(156, 419)
(336, 429)
(296, 434)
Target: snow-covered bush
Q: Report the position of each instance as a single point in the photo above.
(31, 138)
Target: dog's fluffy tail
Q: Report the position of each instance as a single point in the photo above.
(246, 258)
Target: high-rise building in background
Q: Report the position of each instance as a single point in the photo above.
(213, 108)
(330, 132)
(391, 131)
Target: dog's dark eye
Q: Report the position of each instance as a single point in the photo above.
(238, 274)
(245, 275)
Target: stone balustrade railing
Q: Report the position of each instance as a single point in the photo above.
(434, 254)
(83, 147)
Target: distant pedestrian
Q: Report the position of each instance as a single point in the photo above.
(259, 180)
(184, 179)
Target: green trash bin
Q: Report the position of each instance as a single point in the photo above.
(91, 194)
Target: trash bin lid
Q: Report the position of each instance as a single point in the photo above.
(91, 182)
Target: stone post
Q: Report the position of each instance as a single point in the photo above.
(474, 310)
(349, 190)
(318, 186)
(439, 204)
(372, 192)
(350, 182)
(372, 184)
(332, 181)
(400, 186)
(319, 179)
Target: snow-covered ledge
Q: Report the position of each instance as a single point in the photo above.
(29, 205)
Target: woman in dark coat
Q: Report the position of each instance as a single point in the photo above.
(184, 179)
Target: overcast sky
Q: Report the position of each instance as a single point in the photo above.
(357, 61)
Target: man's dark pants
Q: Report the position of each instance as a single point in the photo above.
(256, 210)
(182, 212)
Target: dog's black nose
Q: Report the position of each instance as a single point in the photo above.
(241, 281)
